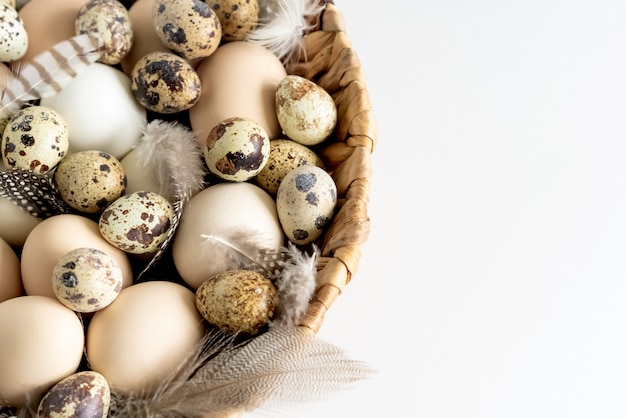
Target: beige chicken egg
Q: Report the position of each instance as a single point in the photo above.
(306, 112)
(237, 17)
(137, 223)
(306, 201)
(89, 181)
(237, 149)
(165, 83)
(10, 276)
(13, 35)
(188, 27)
(110, 19)
(36, 139)
(86, 279)
(285, 155)
(82, 394)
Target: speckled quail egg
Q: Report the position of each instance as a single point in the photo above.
(89, 181)
(165, 83)
(86, 279)
(13, 35)
(36, 138)
(110, 19)
(84, 393)
(237, 301)
(237, 17)
(306, 112)
(306, 202)
(188, 27)
(285, 155)
(137, 223)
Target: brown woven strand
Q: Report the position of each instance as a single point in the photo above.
(329, 60)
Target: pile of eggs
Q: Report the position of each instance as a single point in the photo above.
(73, 315)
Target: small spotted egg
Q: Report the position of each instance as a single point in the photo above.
(137, 223)
(110, 19)
(86, 280)
(13, 35)
(165, 83)
(285, 155)
(237, 17)
(188, 27)
(237, 301)
(305, 201)
(237, 149)
(89, 181)
(82, 394)
(306, 112)
(36, 138)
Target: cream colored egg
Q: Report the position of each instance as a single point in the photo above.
(138, 176)
(42, 343)
(13, 38)
(306, 201)
(36, 139)
(237, 149)
(144, 336)
(237, 17)
(52, 239)
(306, 112)
(82, 394)
(100, 111)
(10, 276)
(15, 223)
(241, 213)
(285, 155)
(86, 280)
(137, 223)
(188, 27)
(109, 18)
(89, 181)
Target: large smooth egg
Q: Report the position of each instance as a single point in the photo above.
(10, 276)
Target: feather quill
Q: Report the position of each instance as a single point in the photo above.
(48, 72)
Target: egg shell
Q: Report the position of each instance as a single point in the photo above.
(42, 343)
(237, 149)
(306, 201)
(10, 276)
(165, 83)
(138, 177)
(86, 280)
(52, 239)
(237, 17)
(306, 112)
(15, 223)
(237, 301)
(240, 212)
(285, 155)
(188, 27)
(231, 89)
(36, 139)
(137, 223)
(89, 181)
(100, 111)
(13, 35)
(144, 336)
(110, 19)
(82, 394)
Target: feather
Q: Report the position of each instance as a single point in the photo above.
(281, 368)
(282, 23)
(48, 72)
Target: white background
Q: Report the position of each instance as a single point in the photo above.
(493, 284)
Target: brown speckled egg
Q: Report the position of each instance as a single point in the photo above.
(188, 27)
(110, 19)
(285, 155)
(241, 301)
(36, 138)
(86, 279)
(90, 180)
(13, 34)
(306, 112)
(82, 394)
(165, 83)
(305, 203)
(237, 17)
(137, 223)
(237, 149)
